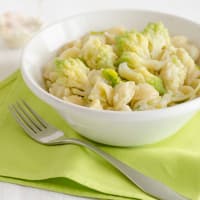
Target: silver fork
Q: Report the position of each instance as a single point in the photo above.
(41, 131)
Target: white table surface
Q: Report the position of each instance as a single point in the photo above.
(51, 11)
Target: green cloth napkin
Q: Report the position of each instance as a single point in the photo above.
(75, 170)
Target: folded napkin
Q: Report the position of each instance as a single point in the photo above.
(75, 170)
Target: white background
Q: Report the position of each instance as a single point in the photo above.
(52, 10)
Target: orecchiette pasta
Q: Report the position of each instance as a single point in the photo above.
(57, 90)
(72, 52)
(146, 92)
(182, 42)
(124, 70)
(75, 99)
(123, 93)
(173, 74)
(103, 92)
(130, 74)
(95, 104)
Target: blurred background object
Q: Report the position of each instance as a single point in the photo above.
(16, 29)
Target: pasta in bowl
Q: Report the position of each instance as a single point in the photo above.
(118, 86)
(126, 70)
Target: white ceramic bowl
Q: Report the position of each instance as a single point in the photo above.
(108, 127)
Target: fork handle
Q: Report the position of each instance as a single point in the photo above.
(145, 183)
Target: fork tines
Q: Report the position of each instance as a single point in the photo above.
(29, 120)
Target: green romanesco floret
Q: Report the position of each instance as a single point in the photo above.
(73, 72)
(131, 58)
(111, 76)
(134, 42)
(158, 37)
(97, 54)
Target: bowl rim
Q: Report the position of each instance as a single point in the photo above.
(31, 83)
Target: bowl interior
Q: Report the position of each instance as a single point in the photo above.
(44, 45)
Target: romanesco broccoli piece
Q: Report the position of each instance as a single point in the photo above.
(158, 37)
(111, 76)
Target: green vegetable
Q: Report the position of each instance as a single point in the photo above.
(134, 42)
(132, 59)
(158, 37)
(73, 72)
(153, 80)
(157, 83)
(175, 60)
(98, 55)
(59, 63)
(111, 76)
